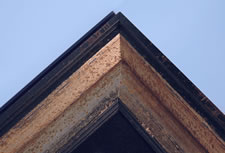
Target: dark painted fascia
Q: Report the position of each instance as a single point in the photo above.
(23, 102)
(194, 97)
(71, 60)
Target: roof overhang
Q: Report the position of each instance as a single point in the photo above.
(114, 61)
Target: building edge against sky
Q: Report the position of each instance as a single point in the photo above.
(40, 31)
(120, 49)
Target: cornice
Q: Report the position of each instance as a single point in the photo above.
(113, 61)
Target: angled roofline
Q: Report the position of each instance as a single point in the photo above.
(32, 94)
(55, 62)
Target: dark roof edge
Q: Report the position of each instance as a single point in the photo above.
(54, 63)
(194, 97)
(42, 85)
(106, 30)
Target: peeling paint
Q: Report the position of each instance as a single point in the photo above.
(116, 70)
(62, 97)
(171, 100)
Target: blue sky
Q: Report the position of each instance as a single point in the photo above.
(191, 34)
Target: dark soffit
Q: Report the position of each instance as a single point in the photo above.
(33, 93)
